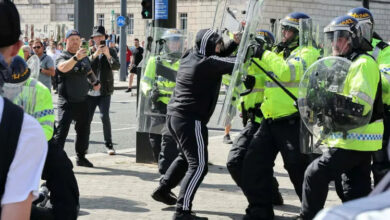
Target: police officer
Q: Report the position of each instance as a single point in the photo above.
(23, 146)
(381, 53)
(249, 106)
(193, 102)
(349, 153)
(35, 98)
(279, 130)
(158, 82)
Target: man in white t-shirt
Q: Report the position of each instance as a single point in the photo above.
(19, 179)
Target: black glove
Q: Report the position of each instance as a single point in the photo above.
(154, 94)
(249, 81)
(258, 52)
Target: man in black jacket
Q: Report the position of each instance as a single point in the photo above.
(192, 104)
(103, 62)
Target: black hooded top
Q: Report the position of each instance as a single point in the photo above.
(199, 78)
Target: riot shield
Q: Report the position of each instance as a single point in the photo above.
(158, 77)
(245, 51)
(328, 107)
(21, 95)
(228, 17)
(34, 64)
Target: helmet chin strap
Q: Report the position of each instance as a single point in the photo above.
(5, 71)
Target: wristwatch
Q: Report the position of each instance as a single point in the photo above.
(75, 58)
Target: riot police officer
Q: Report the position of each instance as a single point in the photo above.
(249, 106)
(350, 142)
(36, 100)
(189, 111)
(279, 130)
(158, 83)
(381, 53)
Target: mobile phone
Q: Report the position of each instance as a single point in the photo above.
(84, 45)
(103, 42)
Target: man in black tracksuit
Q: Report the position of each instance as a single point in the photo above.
(193, 102)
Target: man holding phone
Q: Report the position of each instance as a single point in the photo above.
(103, 61)
(75, 79)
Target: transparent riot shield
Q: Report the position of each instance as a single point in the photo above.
(327, 107)
(229, 16)
(253, 22)
(158, 77)
(21, 95)
(34, 64)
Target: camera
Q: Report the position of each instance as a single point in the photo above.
(102, 43)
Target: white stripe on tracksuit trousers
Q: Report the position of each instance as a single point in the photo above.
(201, 157)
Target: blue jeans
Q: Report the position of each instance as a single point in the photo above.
(104, 107)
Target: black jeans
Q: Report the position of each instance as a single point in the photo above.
(163, 145)
(103, 102)
(62, 184)
(273, 136)
(67, 112)
(191, 163)
(380, 158)
(237, 154)
(355, 167)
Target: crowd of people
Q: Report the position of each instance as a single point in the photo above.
(181, 88)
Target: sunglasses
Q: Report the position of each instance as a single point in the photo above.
(37, 47)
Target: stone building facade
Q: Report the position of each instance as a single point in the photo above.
(51, 18)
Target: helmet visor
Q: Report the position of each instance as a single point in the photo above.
(337, 43)
(173, 46)
(367, 29)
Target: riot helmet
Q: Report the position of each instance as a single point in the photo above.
(289, 33)
(20, 71)
(172, 43)
(265, 38)
(366, 21)
(343, 35)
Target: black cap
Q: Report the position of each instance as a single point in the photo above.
(9, 23)
(99, 31)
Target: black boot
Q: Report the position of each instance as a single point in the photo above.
(187, 216)
(164, 196)
(83, 162)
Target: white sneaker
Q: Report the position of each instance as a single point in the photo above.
(110, 151)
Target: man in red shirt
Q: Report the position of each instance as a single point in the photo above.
(128, 59)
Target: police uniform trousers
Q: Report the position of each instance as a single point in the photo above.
(79, 112)
(352, 166)
(238, 151)
(62, 184)
(190, 166)
(381, 162)
(274, 136)
(163, 145)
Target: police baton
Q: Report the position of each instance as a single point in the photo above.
(270, 75)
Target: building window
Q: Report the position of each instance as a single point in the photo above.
(183, 21)
(100, 19)
(70, 17)
(45, 28)
(130, 26)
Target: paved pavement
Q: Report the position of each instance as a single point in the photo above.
(118, 188)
